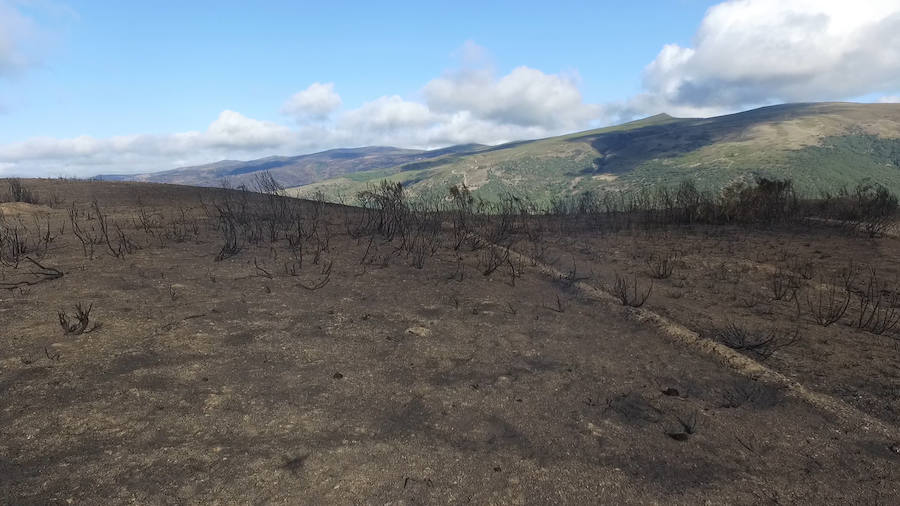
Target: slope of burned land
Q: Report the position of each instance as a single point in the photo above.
(236, 348)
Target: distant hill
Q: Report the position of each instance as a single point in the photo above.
(296, 170)
(821, 146)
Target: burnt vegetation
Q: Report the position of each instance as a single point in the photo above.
(678, 256)
(78, 322)
(631, 294)
(499, 238)
(758, 344)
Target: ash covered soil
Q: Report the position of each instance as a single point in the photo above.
(330, 368)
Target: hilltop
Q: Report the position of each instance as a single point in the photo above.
(295, 170)
(820, 146)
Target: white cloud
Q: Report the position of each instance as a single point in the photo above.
(889, 99)
(470, 104)
(235, 130)
(230, 134)
(388, 113)
(230, 130)
(744, 53)
(752, 52)
(317, 101)
(525, 97)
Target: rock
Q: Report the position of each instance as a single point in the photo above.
(419, 331)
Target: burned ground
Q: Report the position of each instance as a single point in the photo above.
(351, 361)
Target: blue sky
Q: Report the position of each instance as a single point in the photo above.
(89, 87)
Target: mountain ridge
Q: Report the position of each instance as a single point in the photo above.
(820, 145)
(293, 170)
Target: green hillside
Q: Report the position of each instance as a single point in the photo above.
(295, 170)
(821, 146)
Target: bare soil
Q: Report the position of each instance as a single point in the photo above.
(203, 381)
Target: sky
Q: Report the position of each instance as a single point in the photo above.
(97, 87)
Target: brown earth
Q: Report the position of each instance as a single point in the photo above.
(203, 381)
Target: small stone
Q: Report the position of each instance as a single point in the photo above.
(671, 392)
(337, 376)
(419, 331)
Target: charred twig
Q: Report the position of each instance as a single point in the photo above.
(264, 273)
(43, 273)
(326, 277)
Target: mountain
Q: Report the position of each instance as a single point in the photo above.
(821, 146)
(296, 170)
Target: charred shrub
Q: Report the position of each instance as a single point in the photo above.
(18, 192)
(768, 202)
(758, 344)
(386, 209)
(878, 305)
(869, 208)
(784, 284)
(631, 294)
(77, 323)
(662, 265)
(828, 303)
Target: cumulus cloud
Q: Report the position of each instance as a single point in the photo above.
(230, 133)
(745, 53)
(388, 113)
(526, 97)
(752, 52)
(315, 102)
(232, 129)
(472, 104)
(468, 104)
